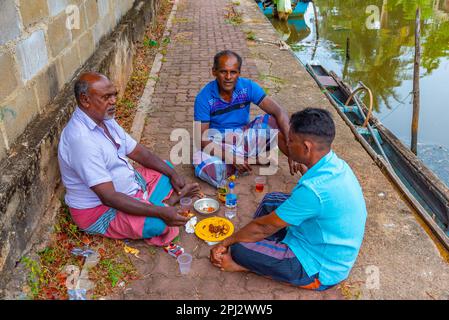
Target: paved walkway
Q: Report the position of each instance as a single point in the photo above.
(395, 244)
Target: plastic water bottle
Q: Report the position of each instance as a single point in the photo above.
(231, 202)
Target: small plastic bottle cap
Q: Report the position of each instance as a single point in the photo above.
(231, 185)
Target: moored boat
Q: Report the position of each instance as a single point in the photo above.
(421, 187)
(298, 7)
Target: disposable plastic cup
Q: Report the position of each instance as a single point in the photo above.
(185, 262)
(260, 183)
(186, 204)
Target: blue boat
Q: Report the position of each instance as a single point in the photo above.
(298, 10)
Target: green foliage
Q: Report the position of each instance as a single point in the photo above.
(271, 78)
(128, 104)
(115, 270)
(48, 255)
(250, 35)
(147, 42)
(35, 276)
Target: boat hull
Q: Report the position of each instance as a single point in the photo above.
(299, 10)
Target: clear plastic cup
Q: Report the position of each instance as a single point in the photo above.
(260, 183)
(186, 205)
(185, 262)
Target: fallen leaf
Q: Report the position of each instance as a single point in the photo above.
(86, 240)
(131, 250)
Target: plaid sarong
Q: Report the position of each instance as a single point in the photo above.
(250, 141)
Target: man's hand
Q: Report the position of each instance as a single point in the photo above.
(216, 254)
(172, 217)
(242, 166)
(178, 182)
(296, 167)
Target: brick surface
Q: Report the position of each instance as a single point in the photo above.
(2, 146)
(76, 32)
(199, 31)
(103, 7)
(86, 46)
(32, 54)
(92, 11)
(21, 111)
(59, 37)
(9, 79)
(70, 61)
(57, 6)
(9, 22)
(47, 85)
(33, 11)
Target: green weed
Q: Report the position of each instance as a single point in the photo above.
(35, 275)
(271, 78)
(250, 35)
(147, 42)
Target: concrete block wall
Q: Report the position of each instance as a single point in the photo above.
(42, 44)
(39, 96)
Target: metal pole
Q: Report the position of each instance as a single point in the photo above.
(348, 56)
(316, 19)
(415, 118)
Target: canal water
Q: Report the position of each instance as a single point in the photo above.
(381, 50)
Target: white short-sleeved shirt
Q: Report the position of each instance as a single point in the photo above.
(87, 157)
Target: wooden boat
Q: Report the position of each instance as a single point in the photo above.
(421, 187)
(299, 9)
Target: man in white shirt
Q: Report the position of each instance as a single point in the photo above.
(105, 194)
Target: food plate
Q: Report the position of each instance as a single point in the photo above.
(203, 229)
(206, 206)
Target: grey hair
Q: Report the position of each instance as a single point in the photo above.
(81, 87)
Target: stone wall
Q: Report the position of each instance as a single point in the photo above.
(39, 60)
(42, 44)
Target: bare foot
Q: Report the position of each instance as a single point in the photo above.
(189, 190)
(227, 264)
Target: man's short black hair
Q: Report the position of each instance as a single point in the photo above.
(227, 53)
(314, 122)
(81, 87)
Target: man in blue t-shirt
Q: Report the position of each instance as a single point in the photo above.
(222, 110)
(310, 238)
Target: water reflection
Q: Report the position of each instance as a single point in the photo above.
(382, 53)
(293, 30)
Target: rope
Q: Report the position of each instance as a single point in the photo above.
(398, 105)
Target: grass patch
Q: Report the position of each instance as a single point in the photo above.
(154, 78)
(250, 35)
(47, 275)
(181, 20)
(147, 42)
(232, 16)
(35, 278)
(271, 78)
(166, 41)
(143, 60)
(267, 90)
(350, 292)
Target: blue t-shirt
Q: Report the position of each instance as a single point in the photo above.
(221, 115)
(326, 214)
